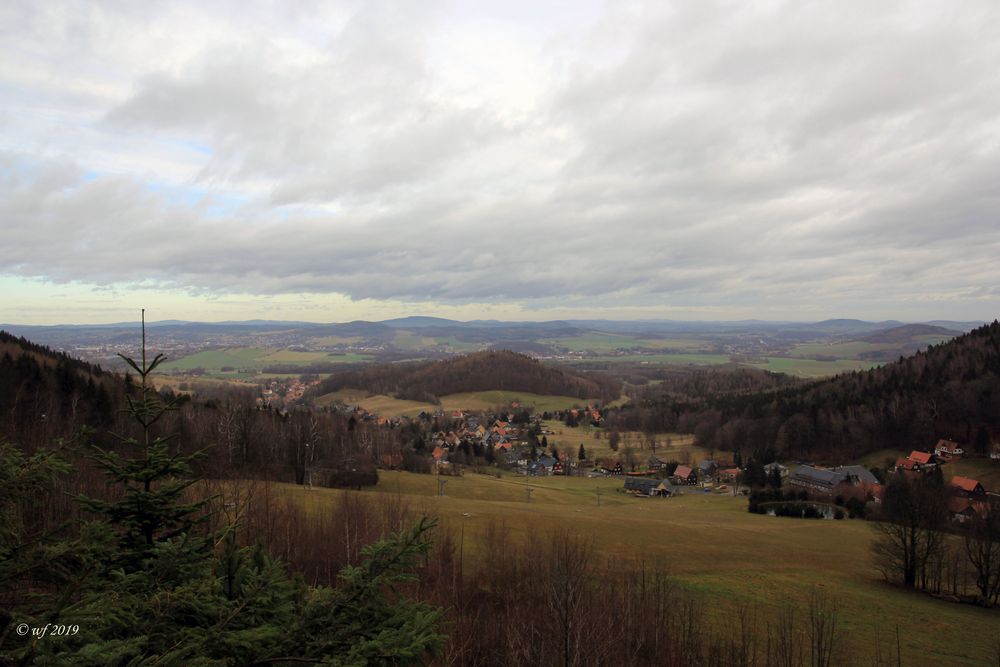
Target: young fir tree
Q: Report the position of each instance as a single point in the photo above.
(152, 508)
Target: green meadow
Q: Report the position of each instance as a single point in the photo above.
(810, 368)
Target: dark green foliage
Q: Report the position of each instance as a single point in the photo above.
(152, 507)
(143, 585)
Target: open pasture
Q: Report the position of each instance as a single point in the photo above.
(810, 368)
(670, 446)
(246, 362)
(711, 545)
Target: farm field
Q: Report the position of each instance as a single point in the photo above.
(607, 342)
(711, 545)
(249, 361)
(477, 400)
(810, 368)
(849, 350)
(676, 359)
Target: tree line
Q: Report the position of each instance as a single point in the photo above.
(949, 390)
(481, 371)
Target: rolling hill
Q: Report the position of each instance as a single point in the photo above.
(481, 371)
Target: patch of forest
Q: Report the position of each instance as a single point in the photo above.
(951, 390)
(481, 371)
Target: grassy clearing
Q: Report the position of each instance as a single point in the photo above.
(379, 404)
(671, 446)
(711, 545)
(879, 458)
(811, 368)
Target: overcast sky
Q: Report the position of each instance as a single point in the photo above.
(329, 162)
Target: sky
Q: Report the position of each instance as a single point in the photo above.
(328, 161)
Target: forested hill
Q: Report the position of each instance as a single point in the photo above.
(481, 371)
(46, 394)
(951, 390)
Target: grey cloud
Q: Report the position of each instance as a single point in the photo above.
(810, 155)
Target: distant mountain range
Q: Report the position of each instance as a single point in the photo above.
(419, 337)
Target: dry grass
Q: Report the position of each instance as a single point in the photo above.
(712, 545)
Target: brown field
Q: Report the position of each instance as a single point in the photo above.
(670, 446)
(713, 546)
(473, 401)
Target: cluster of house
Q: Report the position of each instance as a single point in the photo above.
(284, 393)
(640, 483)
(969, 498)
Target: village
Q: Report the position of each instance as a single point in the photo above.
(515, 441)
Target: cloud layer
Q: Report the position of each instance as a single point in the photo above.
(781, 158)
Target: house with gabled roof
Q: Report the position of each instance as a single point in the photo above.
(648, 486)
(611, 467)
(967, 486)
(729, 475)
(916, 462)
(685, 475)
(815, 480)
(947, 449)
(856, 475)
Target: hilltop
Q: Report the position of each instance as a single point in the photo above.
(481, 371)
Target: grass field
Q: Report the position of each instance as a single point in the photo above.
(473, 401)
(606, 342)
(676, 359)
(670, 446)
(849, 350)
(810, 368)
(248, 361)
(712, 545)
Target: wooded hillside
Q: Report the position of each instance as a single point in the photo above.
(482, 371)
(951, 390)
